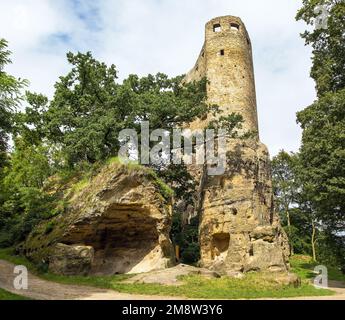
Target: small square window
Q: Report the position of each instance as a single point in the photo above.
(221, 52)
(234, 26)
(217, 28)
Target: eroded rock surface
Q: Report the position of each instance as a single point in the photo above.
(172, 276)
(239, 229)
(118, 223)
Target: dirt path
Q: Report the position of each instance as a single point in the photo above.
(40, 289)
(336, 286)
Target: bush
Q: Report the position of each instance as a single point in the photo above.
(191, 253)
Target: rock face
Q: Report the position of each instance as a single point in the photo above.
(239, 230)
(118, 223)
(172, 276)
(226, 61)
(71, 260)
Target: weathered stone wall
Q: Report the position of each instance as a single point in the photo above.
(118, 223)
(239, 230)
(226, 61)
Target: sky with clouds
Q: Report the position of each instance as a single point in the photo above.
(149, 36)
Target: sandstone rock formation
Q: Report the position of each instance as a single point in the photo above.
(118, 223)
(171, 276)
(239, 230)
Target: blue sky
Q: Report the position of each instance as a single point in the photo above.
(149, 36)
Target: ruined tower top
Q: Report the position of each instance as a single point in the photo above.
(226, 61)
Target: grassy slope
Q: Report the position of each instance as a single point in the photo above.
(254, 285)
(303, 266)
(4, 295)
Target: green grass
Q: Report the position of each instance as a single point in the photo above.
(254, 285)
(304, 266)
(5, 295)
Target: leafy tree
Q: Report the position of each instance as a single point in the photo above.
(323, 157)
(24, 203)
(90, 108)
(323, 123)
(292, 199)
(285, 188)
(328, 44)
(10, 97)
(28, 166)
(81, 125)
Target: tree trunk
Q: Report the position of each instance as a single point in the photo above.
(289, 228)
(313, 240)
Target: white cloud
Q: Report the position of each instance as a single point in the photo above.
(147, 36)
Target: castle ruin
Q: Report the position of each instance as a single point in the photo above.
(239, 230)
(120, 221)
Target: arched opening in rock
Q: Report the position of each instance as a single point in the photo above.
(124, 238)
(217, 27)
(220, 242)
(234, 26)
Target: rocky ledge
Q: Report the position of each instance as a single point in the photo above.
(119, 222)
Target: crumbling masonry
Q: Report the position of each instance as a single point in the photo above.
(239, 230)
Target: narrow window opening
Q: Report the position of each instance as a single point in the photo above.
(217, 28)
(234, 26)
(251, 251)
(221, 52)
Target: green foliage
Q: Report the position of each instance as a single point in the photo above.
(28, 166)
(164, 189)
(187, 238)
(300, 215)
(50, 227)
(328, 44)
(78, 131)
(90, 108)
(10, 97)
(183, 184)
(331, 249)
(231, 123)
(322, 152)
(303, 266)
(323, 157)
(5, 295)
(24, 203)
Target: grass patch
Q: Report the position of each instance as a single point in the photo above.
(5, 295)
(254, 285)
(304, 266)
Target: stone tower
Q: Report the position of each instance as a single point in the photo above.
(239, 230)
(226, 61)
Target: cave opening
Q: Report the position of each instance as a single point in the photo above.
(122, 239)
(220, 242)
